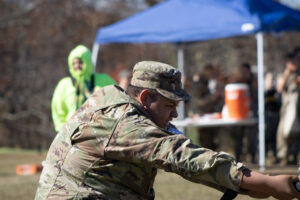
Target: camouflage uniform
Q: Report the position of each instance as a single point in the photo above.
(110, 149)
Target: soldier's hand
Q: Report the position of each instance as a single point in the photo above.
(283, 188)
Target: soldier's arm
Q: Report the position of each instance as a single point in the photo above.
(177, 154)
(280, 186)
(173, 153)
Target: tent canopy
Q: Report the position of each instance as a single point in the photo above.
(194, 20)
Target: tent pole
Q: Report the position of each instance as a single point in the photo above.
(261, 100)
(180, 64)
(95, 51)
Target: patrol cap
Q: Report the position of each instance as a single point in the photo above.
(165, 79)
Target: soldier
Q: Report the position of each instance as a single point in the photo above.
(113, 145)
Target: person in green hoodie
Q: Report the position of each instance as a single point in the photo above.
(72, 91)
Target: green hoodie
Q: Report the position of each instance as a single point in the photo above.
(72, 91)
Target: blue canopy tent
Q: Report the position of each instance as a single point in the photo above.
(194, 20)
(182, 21)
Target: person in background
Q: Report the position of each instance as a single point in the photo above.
(114, 144)
(287, 143)
(272, 108)
(204, 103)
(72, 91)
(244, 75)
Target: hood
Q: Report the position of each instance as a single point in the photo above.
(84, 54)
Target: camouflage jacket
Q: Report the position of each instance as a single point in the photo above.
(110, 149)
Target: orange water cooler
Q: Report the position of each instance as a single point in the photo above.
(237, 100)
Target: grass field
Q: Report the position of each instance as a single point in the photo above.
(167, 186)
